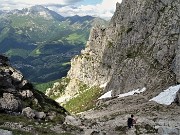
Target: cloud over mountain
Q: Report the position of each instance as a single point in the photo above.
(104, 9)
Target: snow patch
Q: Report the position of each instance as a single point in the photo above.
(132, 92)
(167, 96)
(108, 94)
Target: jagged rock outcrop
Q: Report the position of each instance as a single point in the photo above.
(10, 103)
(17, 95)
(140, 48)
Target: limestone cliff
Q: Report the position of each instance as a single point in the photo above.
(139, 48)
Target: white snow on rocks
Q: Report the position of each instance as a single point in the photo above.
(167, 96)
(108, 94)
(132, 92)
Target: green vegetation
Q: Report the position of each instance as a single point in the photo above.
(42, 128)
(9, 118)
(85, 100)
(43, 86)
(45, 104)
(110, 44)
(65, 63)
(63, 82)
(38, 52)
(17, 52)
(42, 48)
(76, 38)
(4, 33)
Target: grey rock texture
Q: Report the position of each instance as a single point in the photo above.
(5, 132)
(40, 115)
(16, 93)
(139, 48)
(26, 93)
(168, 131)
(10, 103)
(72, 121)
(28, 112)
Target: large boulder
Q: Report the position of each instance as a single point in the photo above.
(10, 103)
(17, 76)
(40, 115)
(72, 121)
(26, 93)
(28, 112)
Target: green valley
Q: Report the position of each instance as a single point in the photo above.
(40, 42)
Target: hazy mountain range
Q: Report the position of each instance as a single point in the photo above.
(40, 42)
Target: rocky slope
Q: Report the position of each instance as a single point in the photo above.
(139, 49)
(23, 109)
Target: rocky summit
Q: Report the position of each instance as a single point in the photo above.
(137, 55)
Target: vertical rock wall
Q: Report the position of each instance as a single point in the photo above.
(139, 48)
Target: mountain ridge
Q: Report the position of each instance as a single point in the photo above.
(37, 32)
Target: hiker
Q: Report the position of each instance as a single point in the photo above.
(131, 121)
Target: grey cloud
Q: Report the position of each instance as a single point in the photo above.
(54, 5)
(72, 1)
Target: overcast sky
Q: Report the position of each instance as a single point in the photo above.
(101, 8)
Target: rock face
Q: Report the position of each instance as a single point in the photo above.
(18, 96)
(140, 48)
(10, 103)
(5, 132)
(168, 131)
